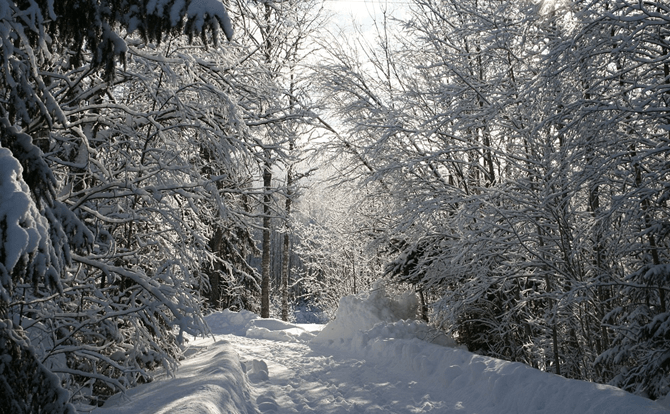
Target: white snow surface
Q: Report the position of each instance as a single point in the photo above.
(25, 229)
(373, 358)
(197, 10)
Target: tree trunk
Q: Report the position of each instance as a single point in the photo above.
(215, 271)
(286, 250)
(265, 261)
(424, 306)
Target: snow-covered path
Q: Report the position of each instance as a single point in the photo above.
(304, 379)
(368, 360)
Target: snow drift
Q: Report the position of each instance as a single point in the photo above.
(374, 357)
(245, 323)
(371, 326)
(210, 381)
(375, 316)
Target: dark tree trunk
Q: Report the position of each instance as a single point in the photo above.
(265, 261)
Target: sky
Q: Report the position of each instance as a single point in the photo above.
(363, 11)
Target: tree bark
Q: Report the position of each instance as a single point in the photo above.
(215, 271)
(286, 250)
(265, 261)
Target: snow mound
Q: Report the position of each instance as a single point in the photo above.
(379, 329)
(211, 382)
(257, 371)
(296, 334)
(229, 322)
(406, 329)
(245, 323)
(376, 314)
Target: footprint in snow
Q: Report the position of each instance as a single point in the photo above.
(257, 371)
(267, 403)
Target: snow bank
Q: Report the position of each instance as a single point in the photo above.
(210, 382)
(374, 357)
(358, 313)
(228, 322)
(377, 328)
(245, 323)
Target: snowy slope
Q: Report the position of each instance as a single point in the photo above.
(471, 383)
(368, 360)
(211, 381)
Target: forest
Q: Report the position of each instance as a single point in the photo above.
(160, 159)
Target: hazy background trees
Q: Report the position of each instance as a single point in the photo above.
(277, 36)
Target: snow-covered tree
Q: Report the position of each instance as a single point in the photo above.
(126, 174)
(524, 146)
(332, 236)
(279, 116)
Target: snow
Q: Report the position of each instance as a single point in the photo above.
(176, 12)
(359, 313)
(197, 10)
(13, 210)
(23, 229)
(211, 381)
(4, 10)
(120, 47)
(372, 358)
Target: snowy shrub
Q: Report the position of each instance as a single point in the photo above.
(359, 313)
